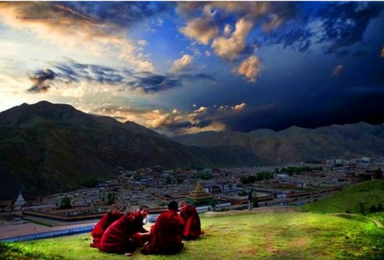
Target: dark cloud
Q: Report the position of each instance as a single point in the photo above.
(290, 35)
(200, 76)
(178, 127)
(334, 106)
(152, 83)
(106, 75)
(204, 123)
(74, 72)
(67, 73)
(291, 32)
(344, 23)
(41, 81)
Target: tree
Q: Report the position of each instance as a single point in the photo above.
(65, 203)
(205, 176)
(361, 209)
(378, 174)
(111, 198)
(373, 209)
(242, 193)
(255, 202)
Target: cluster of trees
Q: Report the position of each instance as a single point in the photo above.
(314, 162)
(169, 180)
(377, 174)
(92, 183)
(372, 209)
(65, 203)
(204, 176)
(111, 198)
(258, 177)
(297, 170)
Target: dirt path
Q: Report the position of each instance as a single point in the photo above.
(378, 224)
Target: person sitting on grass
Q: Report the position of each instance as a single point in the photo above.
(141, 234)
(140, 215)
(104, 223)
(122, 237)
(192, 226)
(166, 234)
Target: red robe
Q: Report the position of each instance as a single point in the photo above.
(101, 226)
(116, 239)
(138, 222)
(166, 234)
(192, 228)
(141, 235)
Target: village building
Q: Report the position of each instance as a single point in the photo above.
(199, 196)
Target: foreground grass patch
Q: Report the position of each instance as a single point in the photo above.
(278, 236)
(12, 252)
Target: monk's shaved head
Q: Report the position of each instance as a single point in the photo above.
(173, 206)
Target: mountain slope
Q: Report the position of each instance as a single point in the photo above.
(46, 148)
(298, 144)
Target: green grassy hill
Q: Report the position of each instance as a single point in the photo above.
(258, 234)
(366, 198)
(279, 233)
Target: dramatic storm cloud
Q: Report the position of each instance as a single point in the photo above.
(186, 67)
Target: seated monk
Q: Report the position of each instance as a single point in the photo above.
(141, 235)
(104, 223)
(140, 215)
(122, 236)
(166, 234)
(192, 227)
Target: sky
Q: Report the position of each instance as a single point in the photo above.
(187, 67)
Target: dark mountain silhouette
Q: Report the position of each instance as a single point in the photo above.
(297, 144)
(47, 148)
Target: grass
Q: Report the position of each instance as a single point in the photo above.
(270, 235)
(277, 236)
(358, 198)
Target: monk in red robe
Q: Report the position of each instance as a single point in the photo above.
(141, 235)
(140, 215)
(166, 234)
(192, 226)
(104, 223)
(122, 237)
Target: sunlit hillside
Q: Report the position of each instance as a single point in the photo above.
(260, 234)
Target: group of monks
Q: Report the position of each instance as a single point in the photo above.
(124, 234)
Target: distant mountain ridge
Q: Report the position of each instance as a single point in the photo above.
(298, 144)
(47, 148)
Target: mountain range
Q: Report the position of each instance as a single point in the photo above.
(47, 148)
(297, 144)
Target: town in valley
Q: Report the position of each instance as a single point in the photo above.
(211, 189)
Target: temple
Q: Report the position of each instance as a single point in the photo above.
(19, 202)
(199, 197)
